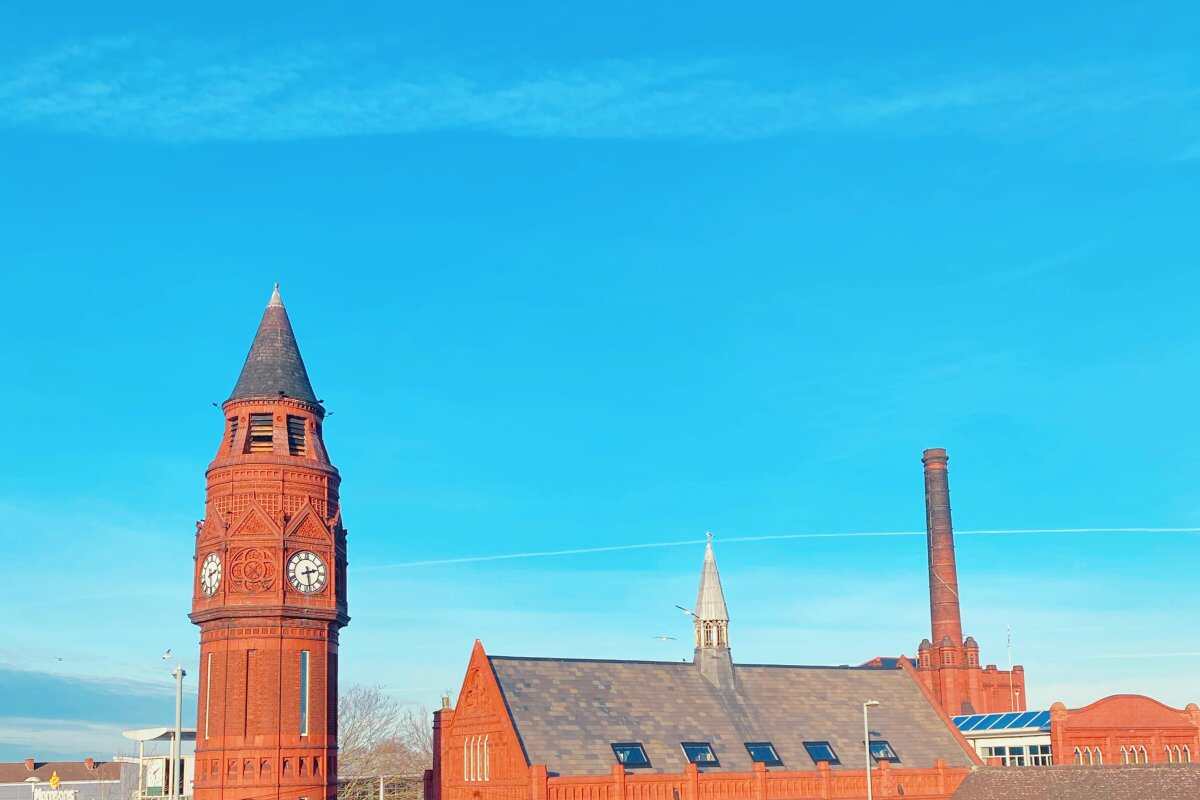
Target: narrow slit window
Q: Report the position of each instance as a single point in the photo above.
(700, 753)
(882, 751)
(763, 753)
(262, 434)
(303, 692)
(207, 693)
(295, 431)
(233, 429)
(822, 751)
(630, 754)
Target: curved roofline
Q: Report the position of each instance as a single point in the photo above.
(1130, 696)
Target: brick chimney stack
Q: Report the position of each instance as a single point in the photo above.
(945, 619)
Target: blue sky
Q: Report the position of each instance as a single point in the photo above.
(574, 278)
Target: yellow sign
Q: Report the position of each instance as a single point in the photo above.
(54, 781)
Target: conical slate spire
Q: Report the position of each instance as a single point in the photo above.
(710, 600)
(274, 367)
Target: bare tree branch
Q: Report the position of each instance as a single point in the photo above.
(379, 737)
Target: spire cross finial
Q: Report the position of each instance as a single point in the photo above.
(708, 536)
(276, 300)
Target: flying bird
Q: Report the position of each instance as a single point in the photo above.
(167, 655)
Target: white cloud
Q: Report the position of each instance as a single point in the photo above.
(187, 91)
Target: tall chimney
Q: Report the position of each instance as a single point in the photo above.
(945, 620)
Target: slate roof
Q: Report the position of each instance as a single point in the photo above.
(274, 366)
(1142, 782)
(567, 713)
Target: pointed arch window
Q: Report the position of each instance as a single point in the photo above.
(1124, 755)
(1144, 756)
(1187, 754)
(1097, 757)
(1078, 757)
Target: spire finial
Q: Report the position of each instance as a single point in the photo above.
(708, 536)
(276, 300)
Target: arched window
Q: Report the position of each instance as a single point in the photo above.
(1187, 755)
(467, 759)
(1097, 756)
(1144, 756)
(1124, 755)
(1078, 757)
(485, 758)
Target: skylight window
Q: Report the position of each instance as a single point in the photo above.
(700, 753)
(882, 751)
(630, 754)
(822, 751)
(763, 753)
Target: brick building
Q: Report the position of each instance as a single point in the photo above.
(1125, 729)
(89, 779)
(580, 729)
(269, 587)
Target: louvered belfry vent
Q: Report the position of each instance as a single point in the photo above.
(296, 443)
(233, 428)
(261, 436)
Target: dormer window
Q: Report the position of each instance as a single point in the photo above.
(262, 434)
(700, 753)
(630, 755)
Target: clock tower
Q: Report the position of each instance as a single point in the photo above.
(269, 586)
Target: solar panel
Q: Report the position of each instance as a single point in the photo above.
(1042, 720)
(1002, 721)
(1023, 720)
(1005, 721)
(988, 721)
(971, 721)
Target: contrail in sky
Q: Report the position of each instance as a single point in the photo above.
(576, 551)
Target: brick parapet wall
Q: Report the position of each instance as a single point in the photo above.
(936, 783)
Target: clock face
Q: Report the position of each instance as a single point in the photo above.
(306, 571)
(210, 574)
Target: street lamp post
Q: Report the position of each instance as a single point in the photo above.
(867, 742)
(176, 743)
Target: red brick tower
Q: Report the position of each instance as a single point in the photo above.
(269, 589)
(949, 665)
